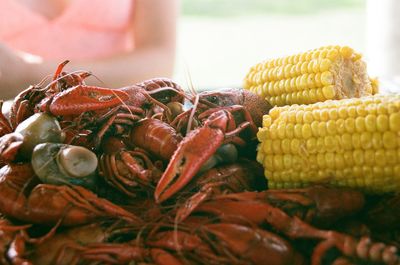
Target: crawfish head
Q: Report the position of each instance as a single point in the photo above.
(253, 103)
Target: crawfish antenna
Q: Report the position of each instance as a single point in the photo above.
(189, 81)
(192, 112)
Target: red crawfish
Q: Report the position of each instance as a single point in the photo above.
(130, 171)
(24, 198)
(214, 243)
(225, 243)
(244, 175)
(67, 246)
(291, 212)
(93, 111)
(125, 253)
(25, 103)
(236, 122)
(136, 98)
(135, 162)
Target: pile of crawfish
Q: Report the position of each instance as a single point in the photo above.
(151, 174)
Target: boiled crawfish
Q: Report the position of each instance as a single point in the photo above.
(290, 213)
(24, 199)
(227, 124)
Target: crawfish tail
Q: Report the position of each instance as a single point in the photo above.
(156, 137)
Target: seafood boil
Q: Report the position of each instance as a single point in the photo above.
(155, 174)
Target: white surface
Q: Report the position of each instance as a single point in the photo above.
(383, 37)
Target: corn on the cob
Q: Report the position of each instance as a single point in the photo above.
(350, 142)
(331, 72)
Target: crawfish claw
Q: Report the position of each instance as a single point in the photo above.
(90, 98)
(197, 147)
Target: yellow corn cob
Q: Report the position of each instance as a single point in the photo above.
(350, 142)
(331, 72)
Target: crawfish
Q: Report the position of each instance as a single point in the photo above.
(245, 175)
(176, 246)
(67, 246)
(26, 102)
(97, 110)
(192, 153)
(253, 245)
(227, 124)
(290, 212)
(254, 105)
(224, 243)
(130, 171)
(23, 198)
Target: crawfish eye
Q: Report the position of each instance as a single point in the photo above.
(213, 99)
(165, 99)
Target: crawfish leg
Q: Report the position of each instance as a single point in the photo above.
(349, 246)
(114, 253)
(74, 205)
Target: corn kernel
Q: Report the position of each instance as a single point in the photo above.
(276, 147)
(285, 144)
(369, 157)
(366, 140)
(324, 114)
(394, 122)
(306, 131)
(358, 157)
(332, 54)
(389, 140)
(299, 116)
(321, 145)
(321, 160)
(278, 162)
(370, 122)
(330, 142)
(377, 142)
(391, 156)
(327, 79)
(330, 160)
(311, 66)
(348, 158)
(356, 140)
(298, 128)
(346, 52)
(360, 124)
(352, 111)
(361, 110)
(322, 130)
(380, 158)
(290, 130)
(347, 142)
(304, 67)
(287, 161)
(331, 127)
(350, 125)
(382, 123)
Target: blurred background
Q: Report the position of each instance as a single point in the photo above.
(219, 40)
